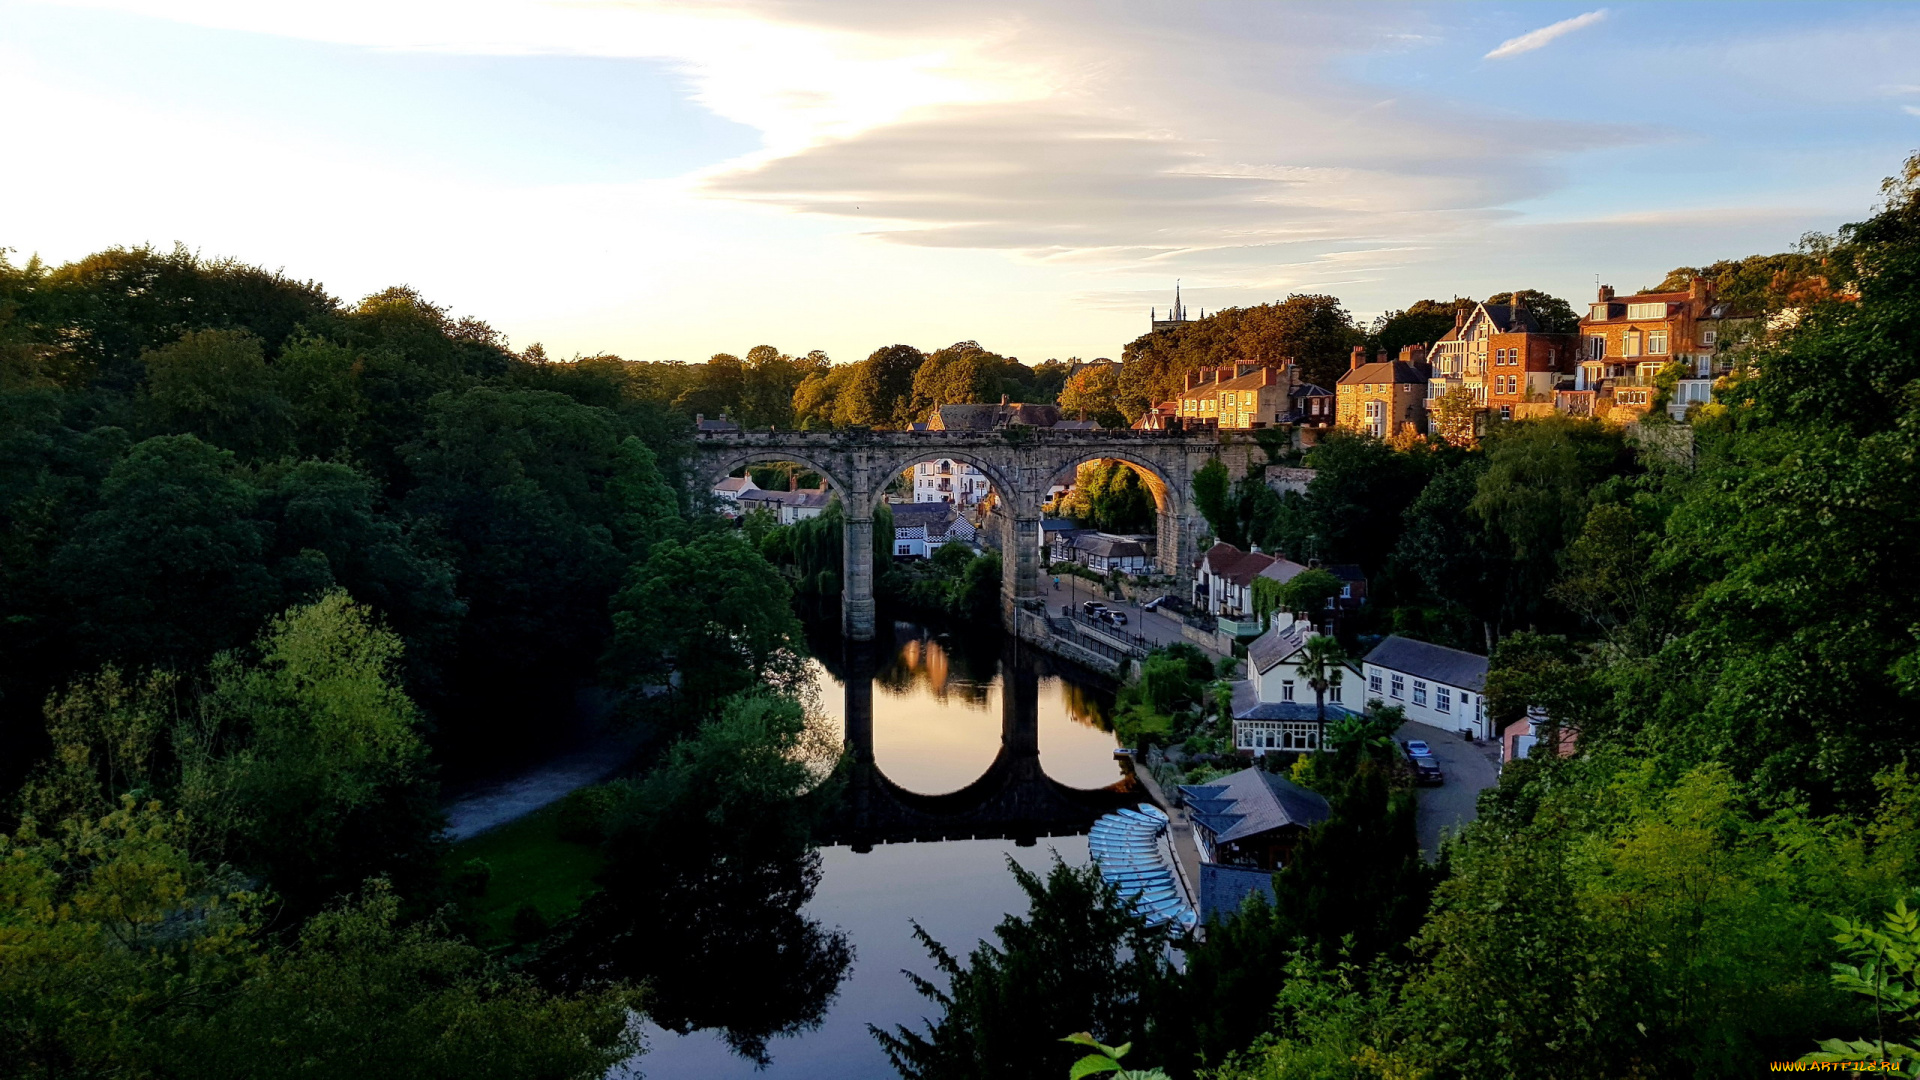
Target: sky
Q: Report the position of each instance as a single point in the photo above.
(669, 180)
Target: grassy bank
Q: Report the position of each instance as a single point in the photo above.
(533, 865)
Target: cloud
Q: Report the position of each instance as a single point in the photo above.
(1535, 39)
(1910, 110)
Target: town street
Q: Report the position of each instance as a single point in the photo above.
(1157, 627)
(1469, 769)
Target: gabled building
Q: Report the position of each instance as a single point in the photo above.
(1274, 708)
(1437, 686)
(1105, 552)
(787, 507)
(726, 494)
(919, 529)
(1223, 582)
(1383, 397)
(1247, 824)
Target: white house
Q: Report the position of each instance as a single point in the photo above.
(1223, 584)
(787, 506)
(948, 481)
(1105, 552)
(726, 494)
(1438, 686)
(919, 529)
(1275, 708)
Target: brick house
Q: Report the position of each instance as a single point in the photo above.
(1500, 355)
(1383, 397)
(1625, 341)
(1245, 396)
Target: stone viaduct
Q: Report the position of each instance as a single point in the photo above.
(1020, 462)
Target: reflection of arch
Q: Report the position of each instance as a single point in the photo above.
(1013, 798)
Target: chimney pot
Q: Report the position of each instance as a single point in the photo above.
(1359, 357)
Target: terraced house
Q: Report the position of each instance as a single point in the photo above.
(1386, 396)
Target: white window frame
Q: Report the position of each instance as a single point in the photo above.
(1709, 338)
(1286, 690)
(1442, 699)
(1596, 346)
(1397, 688)
(1420, 692)
(1656, 343)
(1647, 311)
(1373, 682)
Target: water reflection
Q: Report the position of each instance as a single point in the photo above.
(1086, 706)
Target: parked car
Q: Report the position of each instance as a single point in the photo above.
(1117, 618)
(1426, 768)
(1093, 608)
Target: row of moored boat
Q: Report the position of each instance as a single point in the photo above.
(1126, 846)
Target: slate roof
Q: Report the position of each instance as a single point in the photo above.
(1393, 371)
(1308, 389)
(1076, 425)
(993, 417)
(1109, 546)
(735, 483)
(1282, 569)
(1435, 663)
(1276, 645)
(1251, 802)
(1054, 525)
(1292, 710)
(1508, 319)
(935, 516)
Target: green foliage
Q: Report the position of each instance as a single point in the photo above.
(1353, 506)
(1109, 496)
(1313, 331)
(1078, 960)
(1554, 315)
(126, 957)
(1306, 593)
(1106, 1059)
(707, 618)
(1210, 488)
(709, 861)
(1423, 323)
(1886, 971)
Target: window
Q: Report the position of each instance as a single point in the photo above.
(1373, 682)
(1333, 692)
(1599, 313)
(1709, 338)
(1419, 692)
(1656, 343)
(1442, 699)
(905, 549)
(1506, 412)
(1286, 690)
(1399, 687)
(1596, 347)
(1630, 343)
(1346, 593)
(1646, 311)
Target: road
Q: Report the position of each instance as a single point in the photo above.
(1469, 768)
(1152, 625)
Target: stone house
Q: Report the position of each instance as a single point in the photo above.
(1381, 398)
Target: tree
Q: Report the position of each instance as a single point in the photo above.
(172, 566)
(1093, 393)
(1210, 486)
(1456, 417)
(1079, 960)
(1309, 591)
(1554, 315)
(308, 763)
(1322, 661)
(216, 384)
(1109, 495)
(1313, 332)
(1422, 323)
(708, 617)
(878, 391)
(1885, 971)
(710, 864)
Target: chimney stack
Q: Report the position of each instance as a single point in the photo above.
(1359, 357)
(1003, 399)
(1413, 354)
(1459, 316)
(1189, 380)
(1382, 356)
(1519, 302)
(1606, 293)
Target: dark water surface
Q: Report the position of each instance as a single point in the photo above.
(956, 733)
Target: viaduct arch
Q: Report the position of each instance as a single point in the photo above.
(1020, 462)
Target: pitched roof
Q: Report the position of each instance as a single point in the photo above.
(1282, 570)
(1276, 645)
(736, 483)
(1429, 661)
(1508, 319)
(1307, 389)
(806, 499)
(1393, 371)
(915, 515)
(993, 417)
(1109, 546)
(1239, 567)
(1251, 802)
(1076, 425)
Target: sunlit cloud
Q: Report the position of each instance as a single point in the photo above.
(1534, 39)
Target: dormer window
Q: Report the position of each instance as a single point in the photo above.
(1646, 311)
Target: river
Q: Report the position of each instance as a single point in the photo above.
(956, 734)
